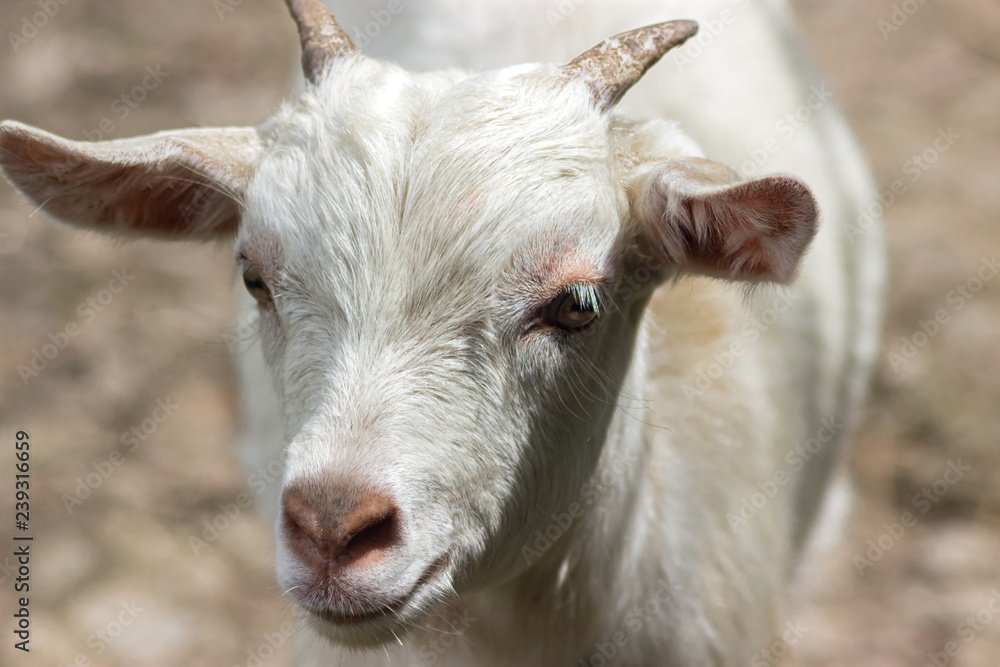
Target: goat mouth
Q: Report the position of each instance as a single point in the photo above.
(388, 611)
(342, 619)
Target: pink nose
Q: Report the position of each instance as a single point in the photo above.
(329, 533)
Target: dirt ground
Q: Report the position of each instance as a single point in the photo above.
(131, 422)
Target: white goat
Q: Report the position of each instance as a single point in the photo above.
(492, 422)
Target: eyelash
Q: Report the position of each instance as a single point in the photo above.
(576, 308)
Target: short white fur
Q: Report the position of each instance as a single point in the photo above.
(413, 230)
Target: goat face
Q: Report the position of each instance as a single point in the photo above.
(451, 271)
(435, 264)
(441, 265)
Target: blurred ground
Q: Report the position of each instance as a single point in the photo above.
(937, 396)
(115, 578)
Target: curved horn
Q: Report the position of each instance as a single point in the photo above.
(322, 38)
(617, 63)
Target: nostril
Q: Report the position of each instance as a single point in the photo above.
(377, 536)
(329, 533)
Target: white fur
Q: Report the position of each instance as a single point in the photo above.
(411, 227)
(663, 519)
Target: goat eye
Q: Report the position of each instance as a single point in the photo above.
(256, 286)
(574, 309)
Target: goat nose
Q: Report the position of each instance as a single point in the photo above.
(329, 532)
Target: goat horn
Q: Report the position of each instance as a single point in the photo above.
(323, 40)
(617, 63)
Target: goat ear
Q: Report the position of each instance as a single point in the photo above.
(179, 184)
(699, 217)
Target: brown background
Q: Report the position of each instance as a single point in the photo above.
(163, 337)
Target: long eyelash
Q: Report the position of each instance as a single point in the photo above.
(586, 295)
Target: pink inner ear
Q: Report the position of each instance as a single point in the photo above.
(780, 219)
(755, 231)
(163, 198)
(161, 185)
